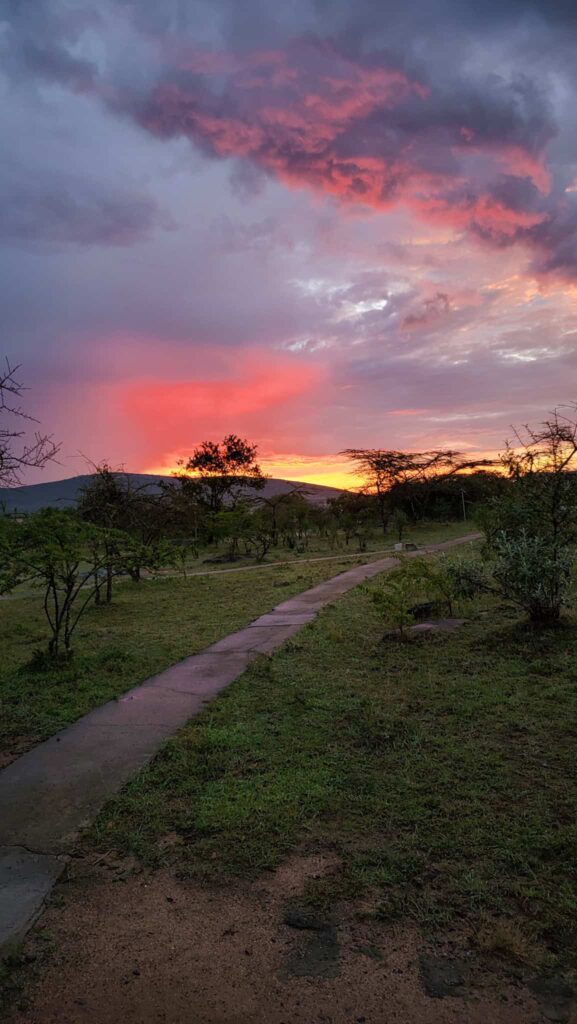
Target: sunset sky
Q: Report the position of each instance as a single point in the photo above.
(319, 224)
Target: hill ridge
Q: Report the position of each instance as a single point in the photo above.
(63, 493)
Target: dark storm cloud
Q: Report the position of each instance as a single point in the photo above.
(351, 100)
(471, 154)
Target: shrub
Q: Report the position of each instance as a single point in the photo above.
(533, 574)
(531, 528)
(468, 578)
(393, 600)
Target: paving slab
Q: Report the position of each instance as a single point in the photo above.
(206, 673)
(26, 879)
(287, 618)
(256, 639)
(50, 793)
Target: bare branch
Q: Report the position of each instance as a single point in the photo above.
(30, 454)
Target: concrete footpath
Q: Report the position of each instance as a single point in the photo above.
(50, 793)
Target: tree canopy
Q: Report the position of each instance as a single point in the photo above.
(220, 473)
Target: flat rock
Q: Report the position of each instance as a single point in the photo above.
(441, 977)
(437, 626)
(556, 998)
(317, 958)
(306, 919)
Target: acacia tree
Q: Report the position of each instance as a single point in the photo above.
(138, 522)
(48, 549)
(272, 506)
(220, 473)
(386, 472)
(17, 454)
(103, 502)
(354, 514)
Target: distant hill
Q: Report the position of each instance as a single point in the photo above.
(63, 493)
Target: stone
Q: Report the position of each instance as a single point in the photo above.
(556, 998)
(437, 626)
(318, 958)
(441, 977)
(306, 919)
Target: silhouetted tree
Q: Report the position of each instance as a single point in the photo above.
(271, 507)
(142, 521)
(386, 472)
(15, 453)
(103, 501)
(221, 473)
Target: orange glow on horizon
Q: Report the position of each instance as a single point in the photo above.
(327, 471)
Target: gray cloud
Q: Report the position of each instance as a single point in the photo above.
(68, 210)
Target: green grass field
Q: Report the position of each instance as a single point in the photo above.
(317, 547)
(148, 627)
(442, 770)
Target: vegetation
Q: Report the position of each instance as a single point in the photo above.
(146, 629)
(441, 771)
(406, 481)
(47, 551)
(219, 474)
(432, 584)
(531, 527)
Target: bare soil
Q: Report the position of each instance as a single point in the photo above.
(147, 949)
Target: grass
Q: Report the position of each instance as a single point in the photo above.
(148, 627)
(319, 547)
(441, 770)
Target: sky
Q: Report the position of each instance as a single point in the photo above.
(318, 224)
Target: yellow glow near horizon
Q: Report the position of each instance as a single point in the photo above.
(328, 471)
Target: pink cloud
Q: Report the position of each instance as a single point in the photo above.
(168, 415)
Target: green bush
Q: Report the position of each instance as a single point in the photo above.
(468, 578)
(534, 574)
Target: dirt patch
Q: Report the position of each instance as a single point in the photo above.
(147, 949)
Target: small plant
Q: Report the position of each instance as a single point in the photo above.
(398, 591)
(437, 581)
(393, 601)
